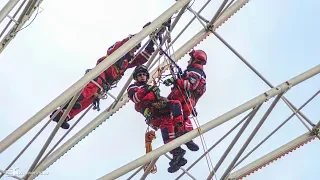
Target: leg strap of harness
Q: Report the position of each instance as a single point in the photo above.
(102, 92)
(94, 82)
(98, 85)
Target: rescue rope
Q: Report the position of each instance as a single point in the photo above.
(126, 100)
(149, 136)
(203, 142)
(195, 119)
(171, 63)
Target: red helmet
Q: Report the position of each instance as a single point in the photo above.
(199, 55)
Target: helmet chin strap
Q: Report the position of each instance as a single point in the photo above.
(195, 61)
(142, 81)
(192, 61)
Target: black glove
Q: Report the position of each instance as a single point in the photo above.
(146, 25)
(150, 47)
(168, 24)
(96, 104)
(194, 112)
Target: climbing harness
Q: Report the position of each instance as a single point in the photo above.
(110, 84)
(160, 103)
(102, 93)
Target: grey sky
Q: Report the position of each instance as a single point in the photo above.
(279, 38)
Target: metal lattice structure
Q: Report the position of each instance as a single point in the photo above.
(226, 10)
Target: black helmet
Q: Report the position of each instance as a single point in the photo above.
(138, 69)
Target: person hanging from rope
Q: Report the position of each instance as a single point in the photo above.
(91, 94)
(158, 111)
(188, 89)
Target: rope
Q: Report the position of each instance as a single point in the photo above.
(195, 119)
(204, 145)
(208, 158)
(149, 136)
(203, 142)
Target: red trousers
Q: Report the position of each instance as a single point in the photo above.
(187, 105)
(167, 118)
(84, 105)
(89, 90)
(87, 95)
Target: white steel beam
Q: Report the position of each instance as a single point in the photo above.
(272, 156)
(12, 18)
(176, 19)
(147, 171)
(215, 144)
(213, 123)
(219, 11)
(38, 117)
(16, 28)
(275, 130)
(289, 104)
(251, 136)
(105, 114)
(124, 99)
(223, 18)
(10, 174)
(7, 8)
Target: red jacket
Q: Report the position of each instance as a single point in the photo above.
(116, 71)
(193, 81)
(140, 96)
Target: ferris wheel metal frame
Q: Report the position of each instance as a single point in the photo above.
(225, 11)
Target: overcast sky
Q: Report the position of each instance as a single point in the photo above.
(279, 38)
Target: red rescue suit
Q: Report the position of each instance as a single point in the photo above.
(193, 83)
(110, 76)
(165, 118)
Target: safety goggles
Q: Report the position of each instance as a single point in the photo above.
(141, 74)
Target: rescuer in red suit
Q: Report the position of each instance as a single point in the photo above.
(158, 111)
(188, 89)
(106, 79)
